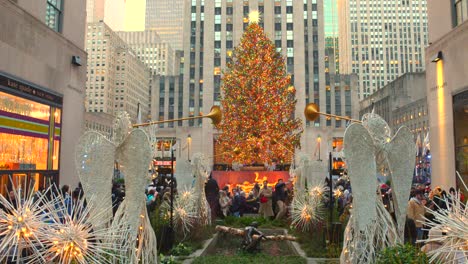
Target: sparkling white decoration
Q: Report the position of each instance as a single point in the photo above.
(72, 238)
(367, 147)
(306, 207)
(22, 225)
(453, 225)
(200, 170)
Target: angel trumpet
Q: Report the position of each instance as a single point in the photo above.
(215, 115)
(312, 112)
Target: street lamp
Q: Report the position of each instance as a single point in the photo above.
(319, 140)
(189, 142)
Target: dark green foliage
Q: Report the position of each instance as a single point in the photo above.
(181, 250)
(247, 220)
(402, 254)
(249, 258)
(317, 244)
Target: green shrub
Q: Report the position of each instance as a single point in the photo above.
(402, 254)
(247, 220)
(181, 250)
(167, 259)
(249, 258)
(119, 181)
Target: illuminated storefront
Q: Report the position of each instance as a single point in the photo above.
(460, 123)
(30, 130)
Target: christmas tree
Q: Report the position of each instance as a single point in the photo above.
(258, 104)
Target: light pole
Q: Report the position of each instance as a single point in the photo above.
(189, 142)
(171, 235)
(319, 140)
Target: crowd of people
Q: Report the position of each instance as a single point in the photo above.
(262, 199)
(417, 213)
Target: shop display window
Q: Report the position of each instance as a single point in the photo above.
(25, 131)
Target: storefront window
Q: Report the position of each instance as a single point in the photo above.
(25, 134)
(20, 106)
(18, 152)
(460, 115)
(30, 131)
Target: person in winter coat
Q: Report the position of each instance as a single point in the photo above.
(416, 211)
(265, 196)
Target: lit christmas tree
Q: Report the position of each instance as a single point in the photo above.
(258, 103)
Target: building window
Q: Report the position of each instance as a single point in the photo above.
(54, 14)
(461, 11)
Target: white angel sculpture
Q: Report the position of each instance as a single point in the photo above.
(95, 157)
(200, 170)
(368, 146)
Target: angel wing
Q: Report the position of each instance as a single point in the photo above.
(94, 160)
(359, 152)
(134, 154)
(401, 157)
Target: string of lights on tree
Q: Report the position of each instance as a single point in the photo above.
(258, 103)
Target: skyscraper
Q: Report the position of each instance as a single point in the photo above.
(150, 49)
(214, 28)
(117, 79)
(384, 39)
(167, 18)
(331, 33)
(112, 12)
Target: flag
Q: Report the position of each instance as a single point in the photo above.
(426, 145)
(139, 114)
(418, 145)
(317, 147)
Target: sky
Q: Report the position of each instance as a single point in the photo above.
(135, 15)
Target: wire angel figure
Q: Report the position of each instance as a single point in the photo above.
(95, 157)
(367, 147)
(200, 170)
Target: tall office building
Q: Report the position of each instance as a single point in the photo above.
(330, 10)
(384, 39)
(151, 50)
(167, 18)
(42, 80)
(112, 12)
(159, 57)
(297, 29)
(117, 79)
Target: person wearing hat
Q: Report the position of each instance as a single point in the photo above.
(416, 211)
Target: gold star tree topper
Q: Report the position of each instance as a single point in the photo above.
(254, 16)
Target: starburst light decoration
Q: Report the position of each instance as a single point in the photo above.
(307, 206)
(22, 225)
(453, 222)
(184, 211)
(72, 238)
(305, 210)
